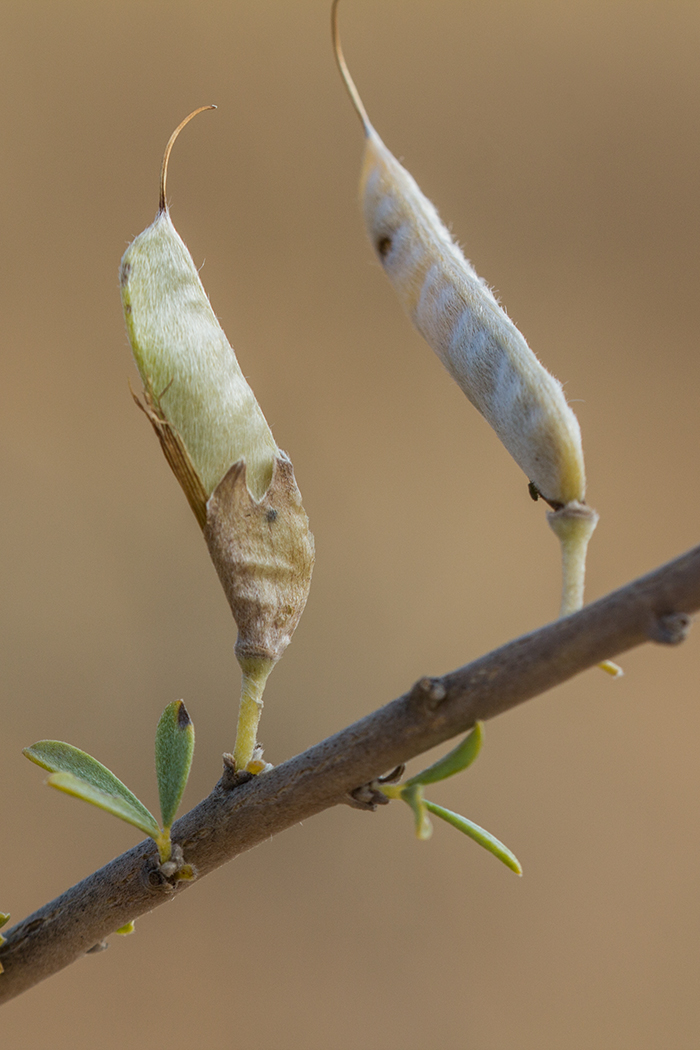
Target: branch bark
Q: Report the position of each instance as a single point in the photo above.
(237, 816)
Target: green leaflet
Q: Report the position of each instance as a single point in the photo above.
(412, 794)
(81, 775)
(453, 762)
(480, 835)
(119, 807)
(174, 749)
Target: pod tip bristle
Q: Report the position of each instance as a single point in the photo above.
(345, 72)
(163, 205)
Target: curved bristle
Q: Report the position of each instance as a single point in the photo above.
(162, 206)
(345, 72)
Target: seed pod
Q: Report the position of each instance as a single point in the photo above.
(189, 370)
(460, 319)
(239, 484)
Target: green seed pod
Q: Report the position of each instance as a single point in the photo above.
(189, 369)
(239, 484)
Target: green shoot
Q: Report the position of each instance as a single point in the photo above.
(411, 792)
(78, 774)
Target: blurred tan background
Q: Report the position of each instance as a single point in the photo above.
(561, 141)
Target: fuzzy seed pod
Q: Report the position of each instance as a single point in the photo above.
(460, 319)
(189, 369)
(240, 485)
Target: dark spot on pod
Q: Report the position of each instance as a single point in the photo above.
(271, 515)
(384, 246)
(183, 718)
(534, 491)
(127, 309)
(125, 273)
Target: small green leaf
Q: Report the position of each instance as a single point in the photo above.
(174, 749)
(82, 776)
(480, 835)
(137, 815)
(412, 794)
(127, 928)
(453, 762)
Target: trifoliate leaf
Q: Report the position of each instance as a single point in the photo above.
(480, 835)
(81, 775)
(453, 762)
(174, 749)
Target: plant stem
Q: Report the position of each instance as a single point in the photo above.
(254, 678)
(237, 817)
(164, 844)
(574, 525)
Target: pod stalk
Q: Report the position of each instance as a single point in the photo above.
(254, 679)
(574, 525)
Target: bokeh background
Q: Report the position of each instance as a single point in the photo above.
(562, 144)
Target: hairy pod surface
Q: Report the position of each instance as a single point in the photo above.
(187, 364)
(460, 319)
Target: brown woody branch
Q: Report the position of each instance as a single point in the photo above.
(237, 816)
